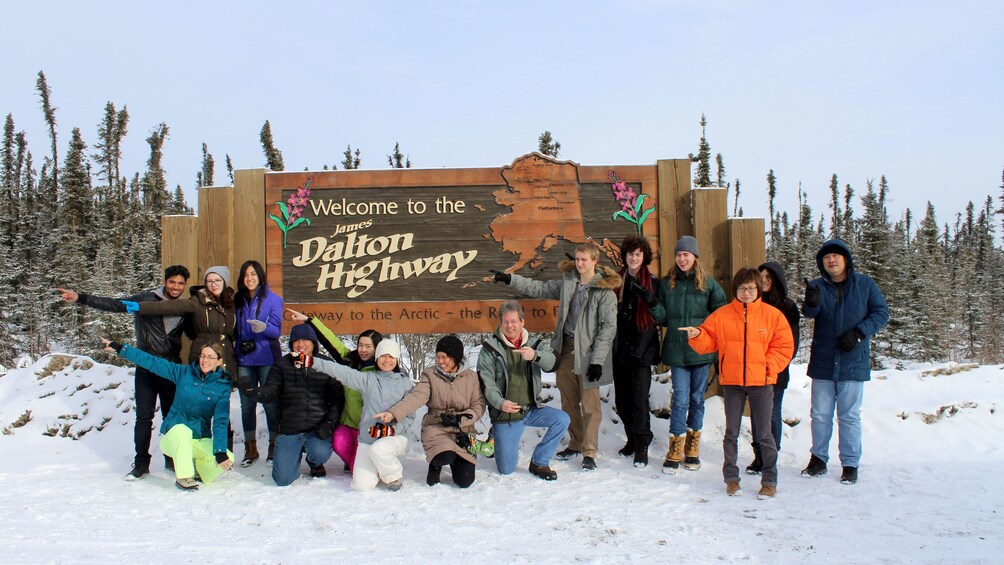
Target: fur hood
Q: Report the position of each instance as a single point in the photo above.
(609, 279)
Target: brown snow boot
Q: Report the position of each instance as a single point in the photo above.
(672, 463)
(250, 453)
(692, 451)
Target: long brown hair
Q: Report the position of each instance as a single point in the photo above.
(699, 275)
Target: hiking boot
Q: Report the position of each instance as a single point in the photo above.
(271, 451)
(566, 454)
(168, 464)
(137, 472)
(767, 491)
(692, 451)
(395, 486)
(346, 469)
(188, 484)
(545, 473)
(432, 478)
(675, 455)
(250, 453)
(849, 476)
(732, 488)
(815, 468)
(628, 450)
(641, 457)
(318, 471)
(756, 466)
(588, 463)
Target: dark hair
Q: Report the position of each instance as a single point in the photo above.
(243, 295)
(772, 296)
(634, 242)
(376, 337)
(743, 276)
(175, 270)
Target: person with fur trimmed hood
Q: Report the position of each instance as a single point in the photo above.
(583, 339)
(380, 444)
(309, 405)
(452, 392)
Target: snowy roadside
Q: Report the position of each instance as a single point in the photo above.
(931, 444)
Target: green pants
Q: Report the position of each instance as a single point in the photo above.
(190, 454)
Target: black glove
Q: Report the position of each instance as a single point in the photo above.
(463, 440)
(849, 339)
(645, 294)
(594, 373)
(325, 429)
(116, 346)
(811, 294)
(247, 388)
(450, 420)
(380, 429)
(221, 457)
(499, 276)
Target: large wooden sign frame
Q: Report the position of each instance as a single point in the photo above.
(406, 250)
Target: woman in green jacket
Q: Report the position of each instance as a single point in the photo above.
(686, 296)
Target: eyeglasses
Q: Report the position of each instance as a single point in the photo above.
(214, 282)
(208, 357)
(747, 289)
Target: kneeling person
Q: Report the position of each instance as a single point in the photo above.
(310, 404)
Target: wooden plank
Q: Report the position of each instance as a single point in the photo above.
(249, 217)
(216, 221)
(674, 208)
(746, 238)
(712, 232)
(178, 245)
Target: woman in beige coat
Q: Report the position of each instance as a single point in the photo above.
(453, 395)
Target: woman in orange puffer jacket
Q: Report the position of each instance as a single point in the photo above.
(754, 343)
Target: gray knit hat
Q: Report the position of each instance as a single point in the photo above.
(687, 243)
(220, 270)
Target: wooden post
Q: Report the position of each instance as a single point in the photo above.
(712, 232)
(178, 245)
(249, 217)
(746, 239)
(216, 221)
(674, 206)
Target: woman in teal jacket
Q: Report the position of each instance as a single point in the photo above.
(195, 430)
(685, 298)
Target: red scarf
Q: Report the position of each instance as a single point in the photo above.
(642, 317)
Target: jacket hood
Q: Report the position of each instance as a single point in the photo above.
(834, 246)
(609, 280)
(776, 271)
(304, 331)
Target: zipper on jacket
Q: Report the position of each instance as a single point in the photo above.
(745, 339)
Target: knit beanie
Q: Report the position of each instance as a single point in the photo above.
(687, 243)
(834, 246)
(303, 331)
(221, 270)
(388, 347)
(452, 346)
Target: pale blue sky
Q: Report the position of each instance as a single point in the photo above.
(912, 90)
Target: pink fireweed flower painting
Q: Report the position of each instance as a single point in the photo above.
(292, 210)
(630, 202)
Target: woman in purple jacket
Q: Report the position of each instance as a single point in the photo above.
(259, 324)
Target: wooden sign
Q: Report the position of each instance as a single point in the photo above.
(406, 250)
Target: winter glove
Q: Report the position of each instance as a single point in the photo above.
(811, 294)
(463, 440)
(130, 306)
(380, 429)
(221, 457)
(257, 326)
(450, 420)
(642, 292)
(849, 339)
(594, 373)
(116, 346)
(302, 361)
(325, 429)
(247, 388)
(499, 276)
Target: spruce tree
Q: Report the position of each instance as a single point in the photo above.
(205, 176)
(49, 113)
(351, 161)
(397, 160)
(547, 145)
(836, 216)
(720, 172)
(230, 170)
(273, 157)
(703, 176)
(775, 231)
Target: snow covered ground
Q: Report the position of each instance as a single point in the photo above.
(928, 491)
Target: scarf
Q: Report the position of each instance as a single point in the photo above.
(642, 317)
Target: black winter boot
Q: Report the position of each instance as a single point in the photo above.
(432, 478)
(756, 466)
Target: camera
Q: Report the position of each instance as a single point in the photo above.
(247, 346)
